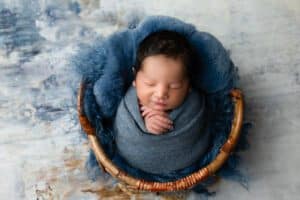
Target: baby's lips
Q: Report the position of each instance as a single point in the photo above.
(160, 107)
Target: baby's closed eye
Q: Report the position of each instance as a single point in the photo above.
(149, 83)
(175, 85)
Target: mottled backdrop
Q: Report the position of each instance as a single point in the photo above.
(42, 151)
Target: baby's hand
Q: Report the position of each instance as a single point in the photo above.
(156, 122)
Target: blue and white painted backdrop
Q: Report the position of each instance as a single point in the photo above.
(42, 152)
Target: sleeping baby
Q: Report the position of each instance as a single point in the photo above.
(161, 123)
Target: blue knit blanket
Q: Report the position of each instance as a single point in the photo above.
(106, 68)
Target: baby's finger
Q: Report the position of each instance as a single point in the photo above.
(163, 126)
(158, 129)
(145, 112)
(154, 129)
(164, 119)
(155, 112)
(143, 108)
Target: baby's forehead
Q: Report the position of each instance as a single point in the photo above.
(155, 65)
(157, 75)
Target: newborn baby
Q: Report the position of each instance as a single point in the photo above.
(162, 81)
(161, 124)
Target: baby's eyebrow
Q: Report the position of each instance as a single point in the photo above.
(147, 77)
(179, 80)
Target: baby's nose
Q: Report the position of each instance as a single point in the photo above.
(162, 92)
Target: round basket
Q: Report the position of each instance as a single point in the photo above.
(134, 183)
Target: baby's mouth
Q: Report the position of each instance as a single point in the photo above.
(159, 105)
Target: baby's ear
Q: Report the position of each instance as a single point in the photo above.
(133, 83)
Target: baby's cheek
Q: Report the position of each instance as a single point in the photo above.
(144, 98)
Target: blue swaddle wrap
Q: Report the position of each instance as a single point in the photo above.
(174, 150)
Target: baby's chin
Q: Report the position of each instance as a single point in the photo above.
(165, 108)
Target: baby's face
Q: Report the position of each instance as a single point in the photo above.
(161, 83)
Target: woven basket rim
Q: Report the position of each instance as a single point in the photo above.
(180, 184)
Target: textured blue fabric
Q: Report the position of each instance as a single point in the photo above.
(106, 67)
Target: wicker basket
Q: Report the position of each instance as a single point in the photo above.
(133, 183)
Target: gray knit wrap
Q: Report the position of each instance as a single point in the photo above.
(157, 154)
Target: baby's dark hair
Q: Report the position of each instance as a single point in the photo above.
(170, 44)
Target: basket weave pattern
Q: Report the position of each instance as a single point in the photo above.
(184, 183)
